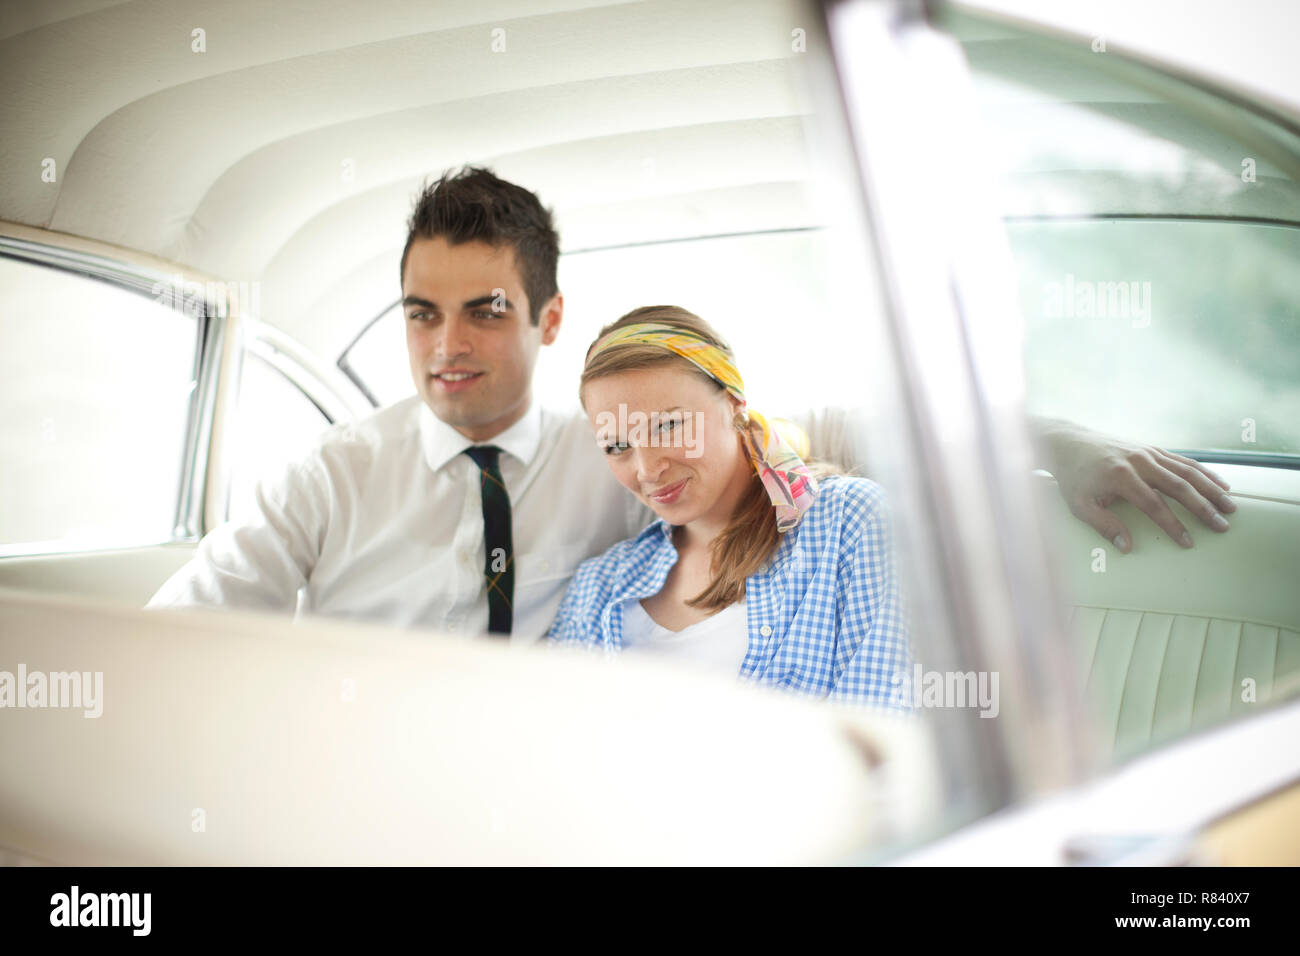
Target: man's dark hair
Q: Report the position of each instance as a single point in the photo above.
(475, 205)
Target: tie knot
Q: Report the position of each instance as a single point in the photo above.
(485, 456)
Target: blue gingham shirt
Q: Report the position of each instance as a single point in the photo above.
(824, 614)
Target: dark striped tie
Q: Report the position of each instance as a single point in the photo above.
(499, 566)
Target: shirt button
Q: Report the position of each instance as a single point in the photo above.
(765, 631)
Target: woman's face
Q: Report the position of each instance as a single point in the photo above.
(669, 438)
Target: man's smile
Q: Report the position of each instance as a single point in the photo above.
(455, 380)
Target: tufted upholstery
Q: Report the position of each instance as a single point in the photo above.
(1153, 676)
(1166, 637)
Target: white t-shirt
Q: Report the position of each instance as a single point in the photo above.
(718, 644)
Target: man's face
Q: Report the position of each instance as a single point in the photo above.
(468, 334)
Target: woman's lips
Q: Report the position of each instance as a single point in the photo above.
(670, 494)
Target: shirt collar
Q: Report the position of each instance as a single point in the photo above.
(442, 443)
(659, 528)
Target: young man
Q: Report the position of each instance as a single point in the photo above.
(393, 518)
(468, 507)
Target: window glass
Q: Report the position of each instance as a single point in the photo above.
(276, 423)
(1197, 320)
(377, 359)
(1156, 232)
(711, 277)
(97, 384)
(714, 278)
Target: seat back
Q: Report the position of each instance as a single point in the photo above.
(1170, 640)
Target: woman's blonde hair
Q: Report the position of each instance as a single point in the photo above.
(750, 538)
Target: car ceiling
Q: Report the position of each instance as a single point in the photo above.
(634, 121)
(288, 153)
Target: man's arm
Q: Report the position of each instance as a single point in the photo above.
(259, 565)
(1092, 471)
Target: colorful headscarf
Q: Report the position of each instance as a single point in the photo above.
(774, 448)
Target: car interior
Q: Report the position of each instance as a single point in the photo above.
(270, 154)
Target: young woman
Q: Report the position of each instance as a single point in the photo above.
(760, 565)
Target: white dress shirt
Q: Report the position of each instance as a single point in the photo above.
(383, 521)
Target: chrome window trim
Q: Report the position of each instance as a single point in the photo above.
(948, 296)
(278, 363)
(1257, 459)
(140, 279)
(338, 398)
(1150, 217)
(189, 509)
(344, 362)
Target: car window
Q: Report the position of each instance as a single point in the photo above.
(376, 360)
(703, 275)
(98, 382)
(1197, 320)
(1155, 229)
(275, 423)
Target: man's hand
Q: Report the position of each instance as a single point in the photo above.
(1093, 470)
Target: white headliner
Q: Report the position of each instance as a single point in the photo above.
(634, 121)
(231, 161)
